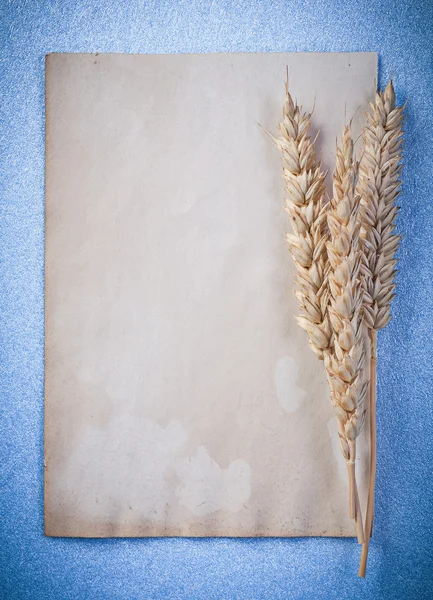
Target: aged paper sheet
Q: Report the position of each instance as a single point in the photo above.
(181, 397)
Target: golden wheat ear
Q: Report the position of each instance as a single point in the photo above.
(379, 186)
(345, 362)
(305, 204)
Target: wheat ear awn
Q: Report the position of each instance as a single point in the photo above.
(304, 201)
(379, 185)
(345, 363)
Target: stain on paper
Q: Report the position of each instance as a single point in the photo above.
(207, 488)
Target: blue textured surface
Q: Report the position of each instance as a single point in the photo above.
(35, 567)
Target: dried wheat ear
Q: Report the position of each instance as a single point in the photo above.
(305, 204)
(344, 256)
(379, 186)
(324, 247)
(345, 362)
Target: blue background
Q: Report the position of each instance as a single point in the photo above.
(35, 567)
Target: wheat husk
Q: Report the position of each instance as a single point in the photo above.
(379, 186)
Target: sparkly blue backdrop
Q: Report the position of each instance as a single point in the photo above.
(42, 568)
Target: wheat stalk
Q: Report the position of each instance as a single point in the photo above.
(379, 185)
(305, 203)
(309, 245)
(344, 257)
(345, 363)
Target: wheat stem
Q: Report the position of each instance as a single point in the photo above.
(359, 526)
(372, 477)
(352, 485)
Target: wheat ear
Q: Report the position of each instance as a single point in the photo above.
(379, 185)
(305, 192)
(345, 363)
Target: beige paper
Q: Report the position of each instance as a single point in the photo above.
(181, 397)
